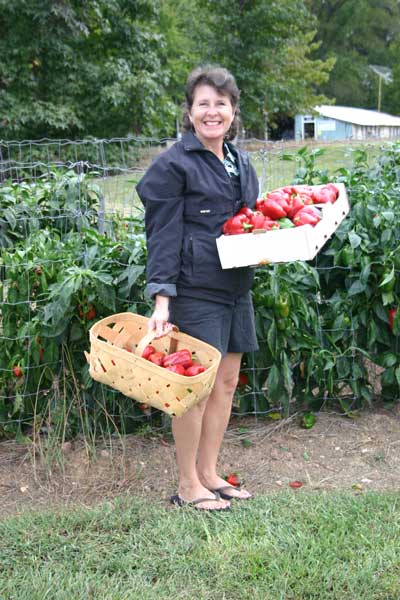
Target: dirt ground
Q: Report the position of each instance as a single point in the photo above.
(361, 453)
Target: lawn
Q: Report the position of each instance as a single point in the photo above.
(284, 546)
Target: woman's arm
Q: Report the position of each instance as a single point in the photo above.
(161, 191)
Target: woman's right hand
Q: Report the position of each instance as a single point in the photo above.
(160, 316)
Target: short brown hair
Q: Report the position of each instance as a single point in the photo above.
(220, 79)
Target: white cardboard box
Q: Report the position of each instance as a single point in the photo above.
(283, 245)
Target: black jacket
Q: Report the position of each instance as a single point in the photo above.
(188, 195)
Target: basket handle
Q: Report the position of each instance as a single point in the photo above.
(151, 336)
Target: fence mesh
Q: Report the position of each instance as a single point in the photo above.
(80, 195)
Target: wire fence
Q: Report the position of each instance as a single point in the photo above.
(87, 188)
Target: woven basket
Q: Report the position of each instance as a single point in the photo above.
(140, 379)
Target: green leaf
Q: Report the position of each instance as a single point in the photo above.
(90, 256)
(388, 278)
(274, 383)
(357, 287)
(106, 294)
(388, 377)
(387, 298)
(76, 332)
(343, 367)
(18, 404)
(272, 338)
(354, 239)
(388, 359)
(397, 372)
(287, 374)
(388, 215)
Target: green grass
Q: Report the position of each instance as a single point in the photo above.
(120, 194)
(276, 172)
(287, 546)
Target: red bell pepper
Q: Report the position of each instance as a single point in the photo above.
(157, 358)
(288, 189)
(194, 370)
(236, 224)
(296, 203)
(245, 210)
(313, 210)
(328, 193)
(148, 351)
(243, 379)
(181, 357)
(333, 189)
(392, 314)
(270, 208)
(257, 219)
(179, 369)
(271, 225)
(307, 190)
(233, 480)
(303, 217)
(282, 198)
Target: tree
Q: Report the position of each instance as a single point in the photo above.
(179, 19)
(269, 47)
(391, 92)
(92, 68)
(357, 33)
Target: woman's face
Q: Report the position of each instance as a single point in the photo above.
(211, 114)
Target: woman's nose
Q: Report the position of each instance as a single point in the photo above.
(212, 109)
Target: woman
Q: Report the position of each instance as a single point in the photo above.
(189, 191)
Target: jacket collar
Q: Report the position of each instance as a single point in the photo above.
(191, 142)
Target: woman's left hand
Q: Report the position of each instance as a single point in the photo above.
(160, 316)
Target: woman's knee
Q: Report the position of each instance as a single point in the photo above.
(228, 383)
(228, 374)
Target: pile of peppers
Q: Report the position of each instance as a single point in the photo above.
(182, 362)
(282, 208)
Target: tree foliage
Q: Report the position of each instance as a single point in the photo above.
(90, 68)
(108, 68)
(357, 33)
(269, 47)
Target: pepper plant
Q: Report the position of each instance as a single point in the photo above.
(56, 281)
(322, 325)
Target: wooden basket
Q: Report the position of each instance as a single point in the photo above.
(111, 363)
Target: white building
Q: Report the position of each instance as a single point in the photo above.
(346, 123)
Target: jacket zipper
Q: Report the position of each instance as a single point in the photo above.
(226, 175)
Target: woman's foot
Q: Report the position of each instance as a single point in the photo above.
(209, 501)
(226, 491)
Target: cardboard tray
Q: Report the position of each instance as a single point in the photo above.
(283, 245)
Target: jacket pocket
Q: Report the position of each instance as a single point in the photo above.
(207, 270)
(208, 273)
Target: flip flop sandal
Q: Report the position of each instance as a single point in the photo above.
(178, 501)
(221, 492)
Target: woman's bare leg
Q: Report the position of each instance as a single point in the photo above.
(215, 421)
(187, 431)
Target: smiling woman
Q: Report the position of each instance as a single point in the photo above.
(189, 192)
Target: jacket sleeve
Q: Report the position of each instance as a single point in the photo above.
(161, 191)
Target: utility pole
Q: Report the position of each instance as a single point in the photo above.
(385, 75)
(379, 93)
